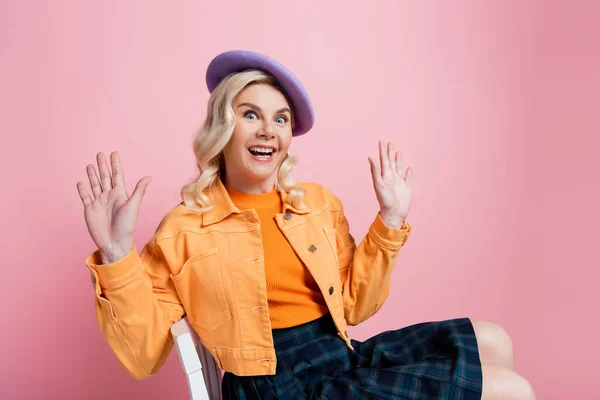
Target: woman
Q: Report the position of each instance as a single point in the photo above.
(266, 270)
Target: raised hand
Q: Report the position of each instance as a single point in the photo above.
(392, 185)
(110, 213)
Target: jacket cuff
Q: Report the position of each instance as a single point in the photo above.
(116, 274)
(388, 237)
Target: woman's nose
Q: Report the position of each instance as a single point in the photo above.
(266, 131)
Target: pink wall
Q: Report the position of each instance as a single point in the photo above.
(495, 105)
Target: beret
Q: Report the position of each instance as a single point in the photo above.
(240, 60)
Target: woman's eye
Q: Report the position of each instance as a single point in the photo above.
(250, 115)
(281, 120)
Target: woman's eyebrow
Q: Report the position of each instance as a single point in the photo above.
(250, 105)
(284, 109)
(257, 108)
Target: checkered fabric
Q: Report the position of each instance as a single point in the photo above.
(431, 360)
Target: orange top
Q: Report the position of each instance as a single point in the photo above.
(293, 294)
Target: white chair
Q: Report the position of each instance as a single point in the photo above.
(203, 376)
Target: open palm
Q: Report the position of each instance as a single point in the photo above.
(110, 213)
(392, 183)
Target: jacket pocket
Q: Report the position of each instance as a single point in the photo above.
(200, 289)
(332, 239)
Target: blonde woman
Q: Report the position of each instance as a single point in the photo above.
(266, 269)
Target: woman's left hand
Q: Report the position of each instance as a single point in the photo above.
(392, 185)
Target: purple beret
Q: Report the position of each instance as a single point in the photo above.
(239, 60)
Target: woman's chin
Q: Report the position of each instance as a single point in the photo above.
(260, 178)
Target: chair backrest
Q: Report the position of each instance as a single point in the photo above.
(203, 376)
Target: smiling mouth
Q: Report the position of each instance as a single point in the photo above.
(262, 153)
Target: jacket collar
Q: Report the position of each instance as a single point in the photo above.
(286, 207)
(224, 207)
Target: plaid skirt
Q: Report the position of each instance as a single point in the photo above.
(431, 360)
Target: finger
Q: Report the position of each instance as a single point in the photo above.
(94, 182)
(83, 194)
(398, 162)
(383, 159)
(375, 171)
(391, 156)
(105, 177)
(409, 176)
(140, 189)
(118, 178)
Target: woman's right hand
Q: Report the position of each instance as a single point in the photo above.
(110, 213)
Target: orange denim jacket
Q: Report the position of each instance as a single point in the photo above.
(210, 267)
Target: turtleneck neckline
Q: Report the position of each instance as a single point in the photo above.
(244, 200)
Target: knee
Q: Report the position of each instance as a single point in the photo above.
(522, 389)
(494, 342)
(490, 332)
(525, 390)
(503, 383)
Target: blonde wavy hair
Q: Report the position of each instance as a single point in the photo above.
(216, 132)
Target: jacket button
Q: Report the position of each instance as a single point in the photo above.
(287, 216)
(312, 248)
(331, 290)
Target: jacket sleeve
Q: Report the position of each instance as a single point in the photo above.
(366, 270)
(136, 304)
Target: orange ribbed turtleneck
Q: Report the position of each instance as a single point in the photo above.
(293, 295)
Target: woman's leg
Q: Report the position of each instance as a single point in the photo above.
(494, 344)
(501, 383)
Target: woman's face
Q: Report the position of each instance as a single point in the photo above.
(260, 140)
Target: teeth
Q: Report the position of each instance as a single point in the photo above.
(261, 150)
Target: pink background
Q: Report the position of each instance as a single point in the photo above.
(494, 104)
